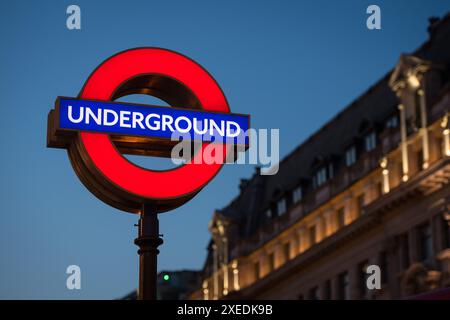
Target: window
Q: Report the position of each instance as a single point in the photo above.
(312, 235)
(297, 194)
(425, 242)
(404, 251)
(379, 189)
(341, 217)
(281, 206)
(326, 294)
(363, 275)
(320, 177)
(392, 122)
(287, 251)
(418, 117)
(420, 159)
(330, 170)
(314, 294)
(350, 156)
(256, 270)
(360, 204)
(370, 141)
(269, 213)
(384, 266)
(344, 286)
(271, 261)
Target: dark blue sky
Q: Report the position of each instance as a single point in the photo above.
(292, 65)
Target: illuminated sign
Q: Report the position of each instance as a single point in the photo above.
(151, 121)
(97, 131)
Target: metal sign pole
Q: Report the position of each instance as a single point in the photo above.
(148, 241)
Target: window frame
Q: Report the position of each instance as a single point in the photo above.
(281, 203)
(297, 194)
(392, 122)
(350, 156)
(425, 241)
(370, 141)
(320, 176)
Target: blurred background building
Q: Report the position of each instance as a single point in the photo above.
(370, 187)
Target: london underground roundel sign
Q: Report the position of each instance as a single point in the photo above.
(97, 131)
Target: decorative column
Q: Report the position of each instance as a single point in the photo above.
(385, 176)
(445, 134)
(424, 129)
(225, 265)
(215, 272)
(404, 143)
(205, 290)
(235, 269)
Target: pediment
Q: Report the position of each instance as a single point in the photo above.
(407, 66)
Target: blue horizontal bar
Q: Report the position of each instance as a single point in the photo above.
(152, 121)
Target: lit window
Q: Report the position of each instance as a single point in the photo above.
(281, 206)
(297, 194)
(312, 235)
(360, 204)
(271, 258)
(341, 217)
(350, 156)
(287, 251)
(392, 122)
(370, 141)
(257, 271)
(320, 177)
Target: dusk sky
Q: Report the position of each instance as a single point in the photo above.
(291, 65)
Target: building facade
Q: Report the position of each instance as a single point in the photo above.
(371, 187)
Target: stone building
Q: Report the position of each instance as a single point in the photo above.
(371, 187)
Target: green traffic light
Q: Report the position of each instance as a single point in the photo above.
(166, 277)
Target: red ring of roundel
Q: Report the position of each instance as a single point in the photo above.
(110, 163)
